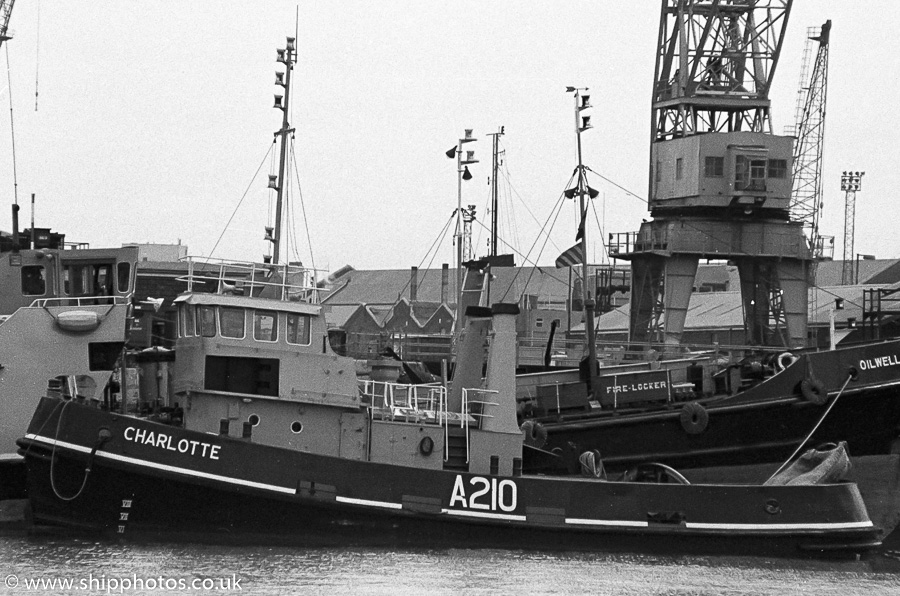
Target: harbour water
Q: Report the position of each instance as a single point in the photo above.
(66, 565)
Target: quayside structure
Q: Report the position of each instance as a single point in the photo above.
(720, 180)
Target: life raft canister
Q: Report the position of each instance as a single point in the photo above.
(694, 418)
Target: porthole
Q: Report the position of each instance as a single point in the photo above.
(253, 420)
(296, 427)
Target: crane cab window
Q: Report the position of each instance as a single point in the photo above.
(749, 173)
(714, 167)
(777, 168)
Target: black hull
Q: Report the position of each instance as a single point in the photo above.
(259, 494)
(763, 424)
(13, 485)
(736, 434)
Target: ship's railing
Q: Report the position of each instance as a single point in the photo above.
(282, 281)
(80, 301)
(474, 402)
(621, 243)
(418, 403)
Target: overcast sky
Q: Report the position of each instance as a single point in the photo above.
(152, 119)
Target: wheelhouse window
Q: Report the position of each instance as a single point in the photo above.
(265, 325)
(778, 168)
(298, 329)
(34, 281)
(123, 277)
(714, 167)
(190, 326)
(88, 279)
(207, 321)
(75, 280)
(231, 322)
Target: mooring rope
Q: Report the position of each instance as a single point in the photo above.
(815, 428)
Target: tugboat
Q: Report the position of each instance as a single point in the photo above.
(277, 441)
(720, 189)
(63, 319)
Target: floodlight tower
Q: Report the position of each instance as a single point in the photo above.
(850, 183)
(720, 184)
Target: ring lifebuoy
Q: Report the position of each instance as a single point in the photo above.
(426, 446)
(784, 360)
(535, 434)
(694, 418)
(813, 390)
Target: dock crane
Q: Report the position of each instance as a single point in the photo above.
(720, 186)
(6, 7)
(809, 128)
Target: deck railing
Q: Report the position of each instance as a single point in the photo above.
(80, 301)
(283, 281)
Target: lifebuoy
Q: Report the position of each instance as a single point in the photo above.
(813, 390)
(694, 418)
(784, 360)
(426, 446)
(535, 433)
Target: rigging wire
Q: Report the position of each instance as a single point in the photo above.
(437, 242)
(303, 209)
(12, 131)
(244, 196)
(557, 208)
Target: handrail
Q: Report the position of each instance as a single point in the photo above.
(80, 301)
(289, 282)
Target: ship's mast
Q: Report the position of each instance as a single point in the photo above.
(583, 123)
(287, 57)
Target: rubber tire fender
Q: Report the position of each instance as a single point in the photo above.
(694, 418)
(813, 390)
(535, 433)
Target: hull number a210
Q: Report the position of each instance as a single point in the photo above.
(485, 494)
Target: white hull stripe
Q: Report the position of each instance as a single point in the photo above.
(725, 526)
(605, 522)
(459, 512)
(368, 503)
(467, 513)
(164, 467)
(806, 526)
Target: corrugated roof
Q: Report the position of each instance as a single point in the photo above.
(723, 310)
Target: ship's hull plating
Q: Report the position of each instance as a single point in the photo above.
(765, 423)
(172, 487)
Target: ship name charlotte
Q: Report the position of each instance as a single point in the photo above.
(164, 441)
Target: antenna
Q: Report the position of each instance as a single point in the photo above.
(37, 54)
